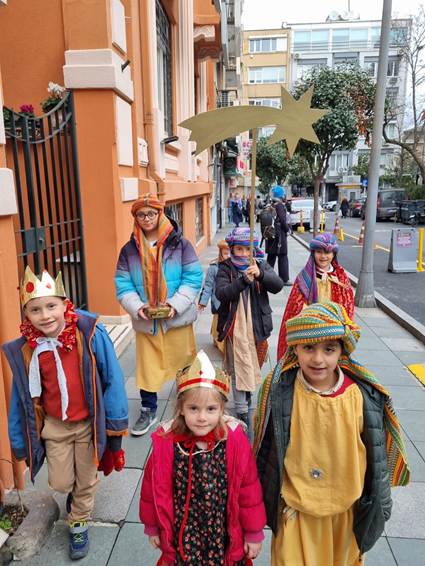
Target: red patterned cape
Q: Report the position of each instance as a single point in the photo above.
(341, 294)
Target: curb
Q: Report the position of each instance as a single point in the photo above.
(401, 317)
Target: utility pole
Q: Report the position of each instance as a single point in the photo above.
(365, 292)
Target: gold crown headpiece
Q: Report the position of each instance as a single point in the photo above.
(201, 373)
(32, 287)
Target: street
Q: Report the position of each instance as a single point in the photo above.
(405, 290)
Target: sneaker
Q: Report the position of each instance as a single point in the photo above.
(79, 543)
(287, 283)
(144, 422)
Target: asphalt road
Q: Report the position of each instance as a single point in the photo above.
(405, 290)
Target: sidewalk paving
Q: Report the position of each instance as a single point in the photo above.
(116, 534)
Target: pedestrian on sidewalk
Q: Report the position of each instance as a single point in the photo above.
(328, 444)
(236, 204)
(157, 279)
(208, 291)
(344, 207)
(321, 280)
(68, 403)
(201, 501)
(244, 316)
(277, 246)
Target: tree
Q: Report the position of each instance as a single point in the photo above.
(348, 92)
(411, 52)
(272, 164)
(362, 167)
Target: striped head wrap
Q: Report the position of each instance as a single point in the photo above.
(329, 321)
(306, 278)
(324, 241)
(321, 322)
(241, 237)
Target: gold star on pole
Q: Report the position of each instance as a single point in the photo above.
(296, 121)
(293, 121)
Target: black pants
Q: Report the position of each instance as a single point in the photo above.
(282, 265)
(149, 399)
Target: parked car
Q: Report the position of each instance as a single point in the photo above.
(355, 207)
(330, 205)
(307, 207)
(386, 206)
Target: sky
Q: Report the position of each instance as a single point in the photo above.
(260, 14)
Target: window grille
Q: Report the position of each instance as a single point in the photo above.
(175, 211)
(199, 219)
(163, 37)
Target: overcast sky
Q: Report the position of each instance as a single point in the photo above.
(259, 14)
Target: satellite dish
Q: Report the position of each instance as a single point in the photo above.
(333, 16)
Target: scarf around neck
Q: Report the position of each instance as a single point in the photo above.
(41, 343)
(151, 261)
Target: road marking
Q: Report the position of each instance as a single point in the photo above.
(377, 246)
(418, 371)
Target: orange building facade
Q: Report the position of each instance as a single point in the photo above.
(136, 69)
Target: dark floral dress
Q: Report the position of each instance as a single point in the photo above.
(205, 534)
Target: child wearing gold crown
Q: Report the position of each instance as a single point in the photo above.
(201, 501)
(68, 403)
(328, 443)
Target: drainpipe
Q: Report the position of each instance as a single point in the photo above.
(148, 86)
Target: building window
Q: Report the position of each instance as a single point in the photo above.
(268, 44)
(271, 102)
(392, 96)
(265, 75)
(175, 211)
(163, 50)
(346, 59)
(305, 67)
(375, 35)
(398, 37)
(393, 68)
(358, 37)
(199, 219)
(319, 39)
(340, 37)
(371, 67)
(302, 40)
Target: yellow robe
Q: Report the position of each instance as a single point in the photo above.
(324, 470)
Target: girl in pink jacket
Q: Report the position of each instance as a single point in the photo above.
(201, 501)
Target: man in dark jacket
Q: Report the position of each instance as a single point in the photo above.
(277, 247)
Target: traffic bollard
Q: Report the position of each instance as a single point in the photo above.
(421, 249)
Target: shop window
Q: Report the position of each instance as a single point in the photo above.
(163, 50)
(175, 211)
(199, 219)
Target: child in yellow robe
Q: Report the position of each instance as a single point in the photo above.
(328, 445)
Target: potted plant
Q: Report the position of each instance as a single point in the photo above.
(56, 93)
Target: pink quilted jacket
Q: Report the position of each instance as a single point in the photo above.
(246, 516)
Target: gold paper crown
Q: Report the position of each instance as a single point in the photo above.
(32, 287)
(202, 374)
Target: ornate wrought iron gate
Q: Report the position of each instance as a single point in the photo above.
(49, 224)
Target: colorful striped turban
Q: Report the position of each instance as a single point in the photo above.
(320, 322)
(147, 200)
(325, 241)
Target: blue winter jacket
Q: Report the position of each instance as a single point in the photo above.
(208, 290)
(104, 392)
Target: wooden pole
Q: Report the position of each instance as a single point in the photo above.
(252, 203)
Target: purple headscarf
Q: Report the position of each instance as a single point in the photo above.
(306, 278)
(240, 237)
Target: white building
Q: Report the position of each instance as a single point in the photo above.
(356, 41)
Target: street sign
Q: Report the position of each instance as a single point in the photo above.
(404, 250)
(364, 183)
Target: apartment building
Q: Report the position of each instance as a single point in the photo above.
(336, 42)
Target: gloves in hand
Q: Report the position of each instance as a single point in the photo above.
(114, 456)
